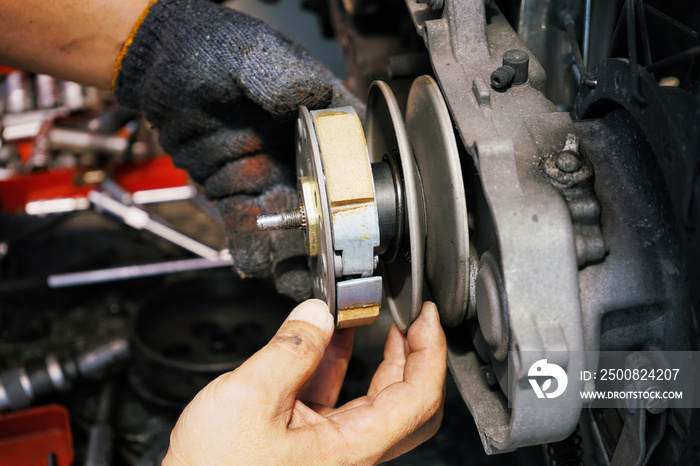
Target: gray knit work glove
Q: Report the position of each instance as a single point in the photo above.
(223, 89)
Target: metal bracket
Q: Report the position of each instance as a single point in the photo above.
(533, 237)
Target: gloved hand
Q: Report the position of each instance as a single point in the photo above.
(223, 89)
(278, 406)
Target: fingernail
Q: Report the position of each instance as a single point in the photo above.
(429, 305)
(313, 311)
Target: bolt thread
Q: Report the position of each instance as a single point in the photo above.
(284, 220)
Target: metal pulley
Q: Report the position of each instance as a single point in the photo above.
(363, 208)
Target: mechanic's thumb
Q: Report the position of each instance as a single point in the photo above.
(288, 361)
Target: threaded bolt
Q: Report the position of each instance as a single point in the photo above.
(285, 220)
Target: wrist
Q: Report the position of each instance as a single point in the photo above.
(76, 40)
(127, 44)
(176, 38)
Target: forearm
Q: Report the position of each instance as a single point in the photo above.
(77, 40)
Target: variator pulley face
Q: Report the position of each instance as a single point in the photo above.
(386, 137)
(432, 137)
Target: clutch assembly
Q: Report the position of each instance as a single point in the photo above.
(366, 214)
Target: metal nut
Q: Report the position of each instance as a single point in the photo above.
(568, 162)
(310, 202)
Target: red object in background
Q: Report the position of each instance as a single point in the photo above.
(6, 69)
(25, 149)
(28, 437)
(156, 173)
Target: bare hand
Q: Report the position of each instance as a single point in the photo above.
(255, 414)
